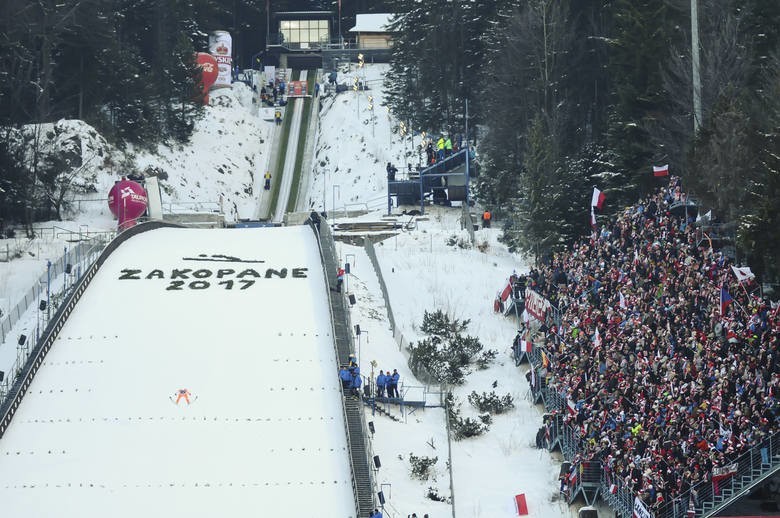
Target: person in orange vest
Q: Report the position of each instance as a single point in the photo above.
(486, 219)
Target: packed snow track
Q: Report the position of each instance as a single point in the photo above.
(236, 322)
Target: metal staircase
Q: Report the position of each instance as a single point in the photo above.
(361, 471)
(359, 451)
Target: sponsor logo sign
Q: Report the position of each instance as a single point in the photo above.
(221, 47)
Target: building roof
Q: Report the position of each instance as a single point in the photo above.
(372, 22)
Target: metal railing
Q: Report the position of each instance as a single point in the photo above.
(79, 257)
(325, 240)
(23, 375)
(753, 466)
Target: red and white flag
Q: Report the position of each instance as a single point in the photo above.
(597, 339)
(597, 200)
(571, 407)
(526, 345)
(592, 218)
(661, 170)
(622, 300)
(743, 273)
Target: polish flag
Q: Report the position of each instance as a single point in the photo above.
(598, 199)
(592, 218)
(597, 339)
(526, 345)
(662, 170)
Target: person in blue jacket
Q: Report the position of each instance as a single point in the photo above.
(392, 384)
(381, 384)
(356, 382)
(346, 377)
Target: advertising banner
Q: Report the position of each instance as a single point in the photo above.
(536, 305)
(640, 511)
(209, 71)
(297, 89)
(127, 201)
(221, 47)
(269, 71)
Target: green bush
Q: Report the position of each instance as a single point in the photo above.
(446, 353)
(492, 403)
(421, 466)
(461, 428)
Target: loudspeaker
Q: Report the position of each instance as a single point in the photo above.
(352, 299)
(42, 305)
(357, 329)
(381, 496)
(22, 339)
(377, 464)
(346, 267)
(68, 268)
(371, 427)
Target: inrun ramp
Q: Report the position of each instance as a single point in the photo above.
(237, 318)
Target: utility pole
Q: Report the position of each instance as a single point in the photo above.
(695, 64)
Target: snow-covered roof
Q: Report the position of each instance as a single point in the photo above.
(372, 22)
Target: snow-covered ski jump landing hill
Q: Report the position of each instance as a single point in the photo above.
(235, 320)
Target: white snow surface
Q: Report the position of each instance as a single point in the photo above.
(243, 353)
(101, 424)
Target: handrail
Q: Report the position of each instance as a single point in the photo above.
(13, 399)
(84, 250)
(319, 236)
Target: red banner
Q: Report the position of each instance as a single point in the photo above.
(297, 89)
(536, 305)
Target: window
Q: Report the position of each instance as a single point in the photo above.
(304, 31)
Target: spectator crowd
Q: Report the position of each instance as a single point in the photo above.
(668, 361)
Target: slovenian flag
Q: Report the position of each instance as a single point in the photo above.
(598, 199)
(662, 170)
(725, 300)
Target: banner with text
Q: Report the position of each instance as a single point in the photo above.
(536, 305)
(640, 511)
(297, 89)
(221, 47)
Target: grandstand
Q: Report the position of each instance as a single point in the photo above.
(657, 364)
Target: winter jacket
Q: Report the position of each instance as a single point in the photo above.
(394, 379)
(357, 381)
(381, 380)
(345, 375)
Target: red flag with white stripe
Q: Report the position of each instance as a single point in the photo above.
(661, 170)
(597, 200)
(526, 345)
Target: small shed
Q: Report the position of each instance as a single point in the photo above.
(372, 31)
